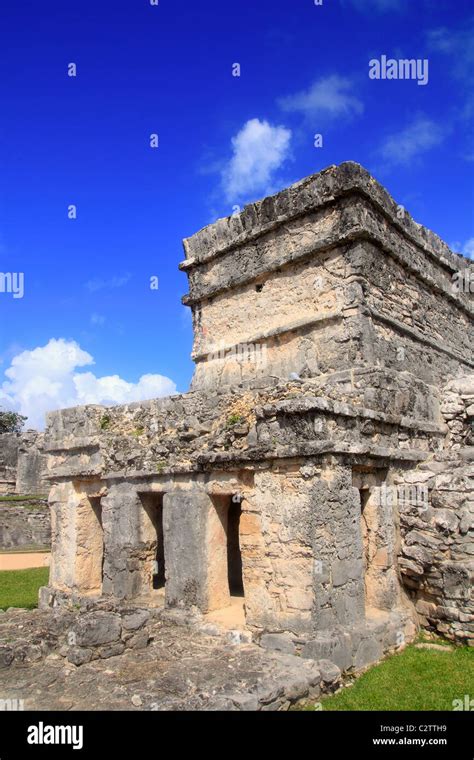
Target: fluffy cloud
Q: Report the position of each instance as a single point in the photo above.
(46, 378)
(457, 45)
(259, 150)
(467, 249)
(330, 97)
(404, 146)
(97, 319)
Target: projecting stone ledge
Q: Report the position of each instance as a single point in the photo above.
(304, 197)
(327, 275)
(191, 433)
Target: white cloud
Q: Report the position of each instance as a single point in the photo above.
(329, 97)
(118, 281)
(259, 150)
(186, 317)
(457, 45)
(46, 378)
(467, 249)
(406, 145)
(97, 319)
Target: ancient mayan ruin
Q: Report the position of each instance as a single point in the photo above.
(22, 463)
(319, 473)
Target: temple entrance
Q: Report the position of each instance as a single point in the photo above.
(159, 577)
(153, 542)
(225, 578)
(234, 555)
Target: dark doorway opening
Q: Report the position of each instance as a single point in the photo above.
(96, 506)
(234, 555)
(159, 568)
(154, 539)
(364, 494)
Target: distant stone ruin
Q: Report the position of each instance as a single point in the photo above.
(24, 523)
(22, 463)
(322, 466)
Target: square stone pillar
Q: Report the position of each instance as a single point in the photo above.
(77, 538)
(185, 531)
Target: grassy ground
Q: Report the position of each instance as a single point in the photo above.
(35, 501)
(27, 497)
(415, 679)
(19, 588)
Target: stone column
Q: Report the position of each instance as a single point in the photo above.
(77, 540)
(188, 524)
(338, 566)
(123, 565)
(63, 501)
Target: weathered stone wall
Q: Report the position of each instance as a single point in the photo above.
(24, 525)
(437, 550)
(325, 275)
(312, 436)
(197, 444)
(23, 463)
(277, 545)
(458, 410)
(31, 476)
(364, 408)
(300, 529)
(9, 443)
(418, 323)
(75, 550)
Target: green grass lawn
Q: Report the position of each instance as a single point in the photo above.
(18, 497)
(19, 588)
(32, 501)
(415, 679)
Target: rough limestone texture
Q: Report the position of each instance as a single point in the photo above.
(437, 549)
(330, 420)
(25, 525)
(327, 274)
(130, 659)
(9, 443)
(23, 463)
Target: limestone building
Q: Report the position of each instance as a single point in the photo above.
(22, 463)
(321, 467)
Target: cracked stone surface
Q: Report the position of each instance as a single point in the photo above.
(180, 669)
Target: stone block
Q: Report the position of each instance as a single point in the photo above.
(95, 628)
(330, 673)
(279, 642)
(79, 655)
(134, 620)
(335, 647)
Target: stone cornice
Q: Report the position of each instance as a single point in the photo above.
(304, 197)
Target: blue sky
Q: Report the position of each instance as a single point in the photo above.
(89, 328)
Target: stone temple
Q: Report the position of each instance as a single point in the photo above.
(320, 472)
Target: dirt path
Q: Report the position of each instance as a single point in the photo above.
(24, 560)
